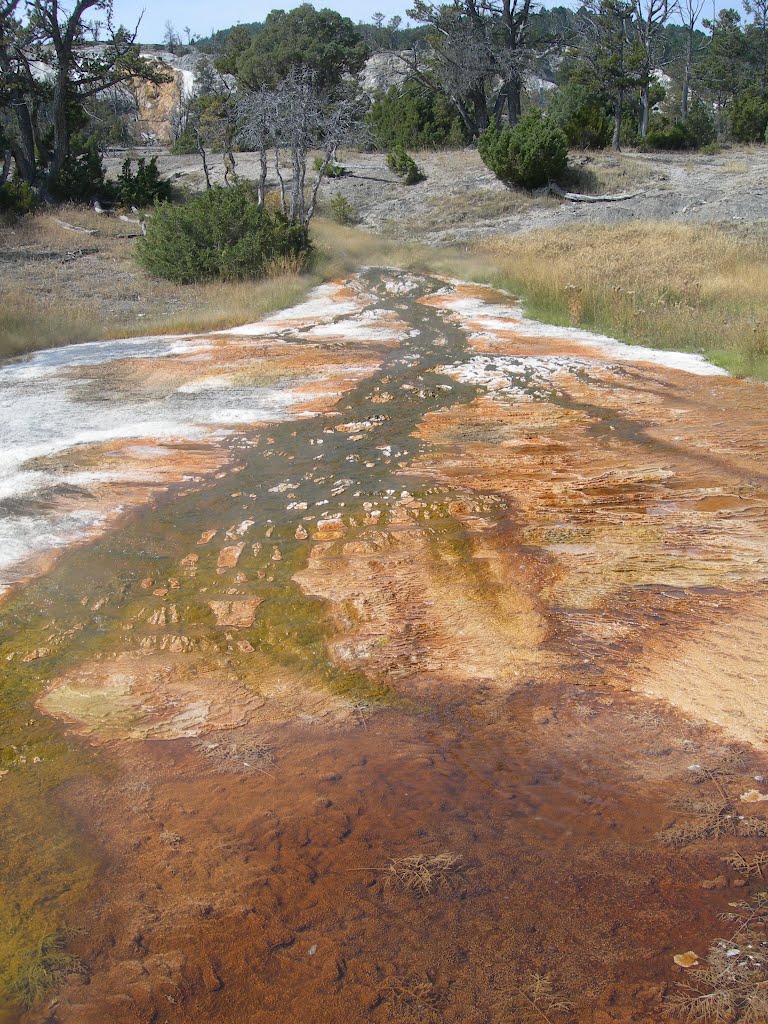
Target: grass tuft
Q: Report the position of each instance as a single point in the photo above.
(421, 875)
(43, 968)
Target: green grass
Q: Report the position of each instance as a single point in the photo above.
(44, 966)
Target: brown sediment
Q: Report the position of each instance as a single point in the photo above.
(150, 695)
(229, 361)
(403, 608)
(257, 893)
(515, 662)
(657, 589)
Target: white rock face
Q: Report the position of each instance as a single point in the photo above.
(385, 69)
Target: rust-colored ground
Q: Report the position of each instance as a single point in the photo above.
(531, 603)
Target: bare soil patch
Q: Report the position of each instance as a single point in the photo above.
(461, 200)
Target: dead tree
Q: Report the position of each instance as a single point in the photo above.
(296, 118)
(650, 17)
(481, 54)
(255, 115)
(690, 12)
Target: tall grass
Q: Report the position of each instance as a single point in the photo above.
(695, 288)
(29, 321)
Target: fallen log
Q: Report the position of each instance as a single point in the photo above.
(73, 227)
(579, 197)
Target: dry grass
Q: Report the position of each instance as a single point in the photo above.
(606, 173)
(413, 997)
(734, 167)
(753, 864)
(691, 288)
(536, 999)
(344, 248)
(422, 875)
(471, 206)
(721, 823)
(61, 286)
(238, 758)
(29, 321)
(732, 985)
(714, 815)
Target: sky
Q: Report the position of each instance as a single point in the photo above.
(202, 16)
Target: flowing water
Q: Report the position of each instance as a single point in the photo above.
(372, 687)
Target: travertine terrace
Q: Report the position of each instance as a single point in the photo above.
(474, 591)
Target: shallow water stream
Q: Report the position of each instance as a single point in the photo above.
(372, 685)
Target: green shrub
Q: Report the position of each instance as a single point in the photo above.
(701, 123)
(749, 117)
(412, 116)
(17, 198)
(405, 167)
(582, 115)
(530, 154)
(332, 170)
(712, 149)
(341, 210)
(143, 188)
(81, 178)
(185, 144)
(220, 234)
(669, 137)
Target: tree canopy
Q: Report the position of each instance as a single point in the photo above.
(322, 42)
(42, 112)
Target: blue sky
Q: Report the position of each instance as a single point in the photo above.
(202, 15)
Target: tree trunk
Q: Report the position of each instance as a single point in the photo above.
(514, 105)
(479, 115)
(5, 170)
(328, 158)
(204, 158)
(24, 150)
(645, 108)
(60, 123)
(261, 187)
(618, 103)
(281, 179)
(230, 166)
(298, 171)
(686, 76)
(466, 116)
